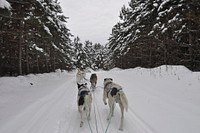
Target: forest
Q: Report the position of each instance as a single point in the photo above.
(157, 32)
(34, 38)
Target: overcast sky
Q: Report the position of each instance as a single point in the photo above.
(92, 19)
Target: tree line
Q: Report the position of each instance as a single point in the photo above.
(87, 54)
(34, 39)
(151, 33)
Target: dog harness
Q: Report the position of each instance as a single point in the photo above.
(81, 95)
(114, 91)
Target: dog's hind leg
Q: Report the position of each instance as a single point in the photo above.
(80, 109)
(88, 103)
(122, 116)
(111, 104)
(89, 112)
(110, 108)
(113, 108)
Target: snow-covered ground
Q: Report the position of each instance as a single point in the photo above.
(161, 100)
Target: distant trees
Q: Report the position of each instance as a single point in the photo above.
(34, 38)
(157, 32)
(89, 55)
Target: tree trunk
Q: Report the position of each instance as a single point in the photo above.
(27, 60)
(20, 48)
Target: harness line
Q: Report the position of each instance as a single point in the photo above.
(110, 118)
(89, 124)
(108, 125)
(100, 117)
(96, 124)
(95, 115)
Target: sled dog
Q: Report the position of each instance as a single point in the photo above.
(93, 81)
(80, 77)
(84, 102)
(114, 93)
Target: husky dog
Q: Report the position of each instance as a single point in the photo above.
(114, 93)
(93, 81)
(80, 77)
(84, 101)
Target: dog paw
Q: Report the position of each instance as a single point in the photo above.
(108, 119)
(121, 129)
(81, 124)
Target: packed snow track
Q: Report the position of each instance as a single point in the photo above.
(161, 100)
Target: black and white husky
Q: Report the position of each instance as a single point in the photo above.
(84, 101)
(114, 93)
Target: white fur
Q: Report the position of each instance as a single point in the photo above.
(120, 98)
(80, 76)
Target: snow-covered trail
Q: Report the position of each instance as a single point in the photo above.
(160, 101)
(43, 115)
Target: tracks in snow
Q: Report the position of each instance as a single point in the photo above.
(58, 113)
(99, 123)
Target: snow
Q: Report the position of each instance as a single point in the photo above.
(37, 48)
(165, 99)
(155, 4)
(164, 30)
(47, 30)
(4, 4)
(162, 4)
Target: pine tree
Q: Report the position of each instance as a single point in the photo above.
(41, 40)
(79, 53)
(90, 53)
(156, 32)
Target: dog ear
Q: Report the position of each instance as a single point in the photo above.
(108, 79)
(78, 85)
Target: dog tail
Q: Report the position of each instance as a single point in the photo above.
(124, 100)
